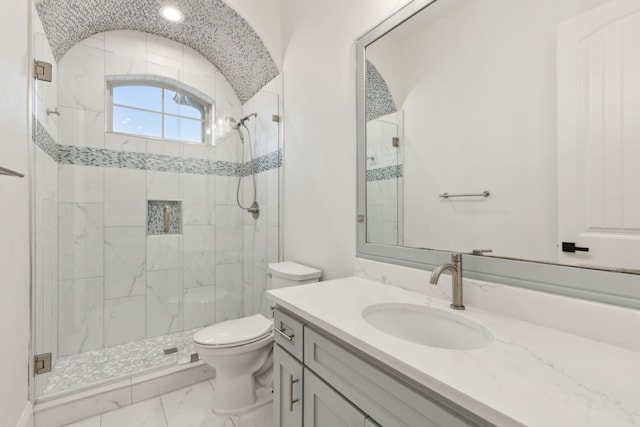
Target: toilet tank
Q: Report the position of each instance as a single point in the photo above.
(288, 273)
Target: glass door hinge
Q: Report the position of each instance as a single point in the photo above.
(42, 363)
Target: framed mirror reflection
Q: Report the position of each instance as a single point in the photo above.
(504, 126)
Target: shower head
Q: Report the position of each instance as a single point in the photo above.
(235, 124)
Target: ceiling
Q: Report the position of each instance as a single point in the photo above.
(210, 27)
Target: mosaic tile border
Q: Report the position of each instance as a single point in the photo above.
(43, 139)
(379, 101)
(210, 27)
(264, 163)
(102, 157)
(388, 172)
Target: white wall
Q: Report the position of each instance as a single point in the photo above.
(320, 128)
(481, 115)
(14, 214)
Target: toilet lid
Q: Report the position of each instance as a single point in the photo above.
(237, 331)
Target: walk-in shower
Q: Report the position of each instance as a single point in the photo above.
(115, 291)
(253, 209)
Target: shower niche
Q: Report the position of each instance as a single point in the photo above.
(164, 217)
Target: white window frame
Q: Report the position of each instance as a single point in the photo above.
(164, 84)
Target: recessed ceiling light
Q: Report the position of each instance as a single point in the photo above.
(171, 13)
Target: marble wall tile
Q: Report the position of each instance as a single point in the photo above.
(115, 64)
(84, 184)
(129, 143)
(164, 185)
(259, 243)
(164, 302)
(247, 253)
(125, 261)
(199, 199)
(226, 190)
(274, 251)
(125, 197)
(81, 315)
(124, 320)
(80, 240)
(200, 151)
(164, 147)
(81, 127)
(199, 252)
(199, 307)
(228, 291)
(390, 200)
(81, 79)
(164, 47)
(228, 235)
(164, 252)
(260, 304)
(126, 43)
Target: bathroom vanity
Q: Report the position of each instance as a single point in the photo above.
(333, 368)
(321, 380)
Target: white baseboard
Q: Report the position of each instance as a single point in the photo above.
(26, 419)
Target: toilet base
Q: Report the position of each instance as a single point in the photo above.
(264, 396)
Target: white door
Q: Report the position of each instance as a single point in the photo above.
(599, 136)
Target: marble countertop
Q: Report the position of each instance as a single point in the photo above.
(529, 375)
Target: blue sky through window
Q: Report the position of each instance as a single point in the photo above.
(140, 110)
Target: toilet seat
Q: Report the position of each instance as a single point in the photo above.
(234, 333)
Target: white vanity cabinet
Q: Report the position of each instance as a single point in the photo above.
(332, 385)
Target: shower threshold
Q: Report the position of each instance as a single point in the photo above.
(98, 367)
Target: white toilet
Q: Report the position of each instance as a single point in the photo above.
(240, 349)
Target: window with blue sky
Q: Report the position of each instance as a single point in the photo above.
(148, 110)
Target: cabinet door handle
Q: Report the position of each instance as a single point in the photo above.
(291, 399)
(284, 335)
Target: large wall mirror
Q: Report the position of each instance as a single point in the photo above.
(508, 126)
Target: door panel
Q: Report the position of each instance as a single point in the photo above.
(599, 136)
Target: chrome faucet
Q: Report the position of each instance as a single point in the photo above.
(456, 279)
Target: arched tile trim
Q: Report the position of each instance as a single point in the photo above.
(210, 27)
(379, 101)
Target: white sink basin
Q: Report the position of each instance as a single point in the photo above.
(427, 326)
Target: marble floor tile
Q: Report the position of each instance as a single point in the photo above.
(186, 407)
(191, 406)
(89, 422)
(148, 413)
(261, 417)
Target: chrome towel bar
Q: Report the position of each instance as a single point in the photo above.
(483, 194)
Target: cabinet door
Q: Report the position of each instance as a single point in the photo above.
(324, 407)
(287, 389)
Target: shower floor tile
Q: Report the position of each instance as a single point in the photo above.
(94, 367)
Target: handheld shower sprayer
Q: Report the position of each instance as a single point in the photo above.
(254, 209)
(235, 124)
